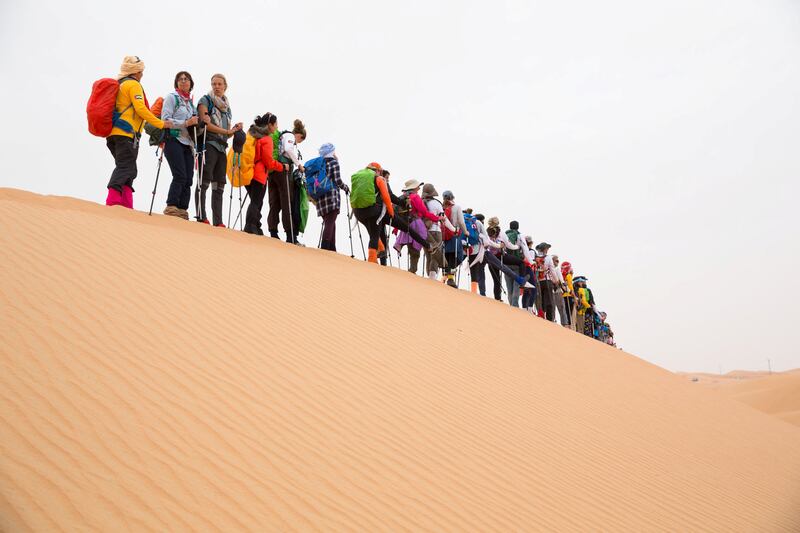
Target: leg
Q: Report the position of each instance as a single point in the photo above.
(474, 273)
(286, 198)
(496, 282)
(256, 192)
(413, 259)
(218, 165)
(125, 154)
(329, 231)
(275, 191)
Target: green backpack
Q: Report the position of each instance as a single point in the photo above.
(276, 147)
(362, 189)
(513, 237)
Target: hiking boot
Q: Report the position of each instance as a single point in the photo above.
(220, 225)
(172, 211)
(452, 283)
(274, 234)
(183, 213)
(204, 221)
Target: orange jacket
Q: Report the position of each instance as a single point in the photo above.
(380, 183)
(263, 162)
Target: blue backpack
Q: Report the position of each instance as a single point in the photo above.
(472, 235)
(318, 184)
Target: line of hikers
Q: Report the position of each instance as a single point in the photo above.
(266, 161)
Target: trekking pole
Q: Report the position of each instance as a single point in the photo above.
(386, 231)
(196, 167)
(349, 227)
(241, 207)
(321, 231)
(289, 203)
(230, 201)
(158, 171)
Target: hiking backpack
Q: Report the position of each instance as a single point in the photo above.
(240, 166)
(277, 153)
(362, 189)
(513, 238)
(318, 183)
(447, 233)
(101, 108)
(473, 235)
(158, 135)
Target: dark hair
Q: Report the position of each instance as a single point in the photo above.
(514, 225)
(299, 128)
(184, 73)
(494, 231)
(385, 173)
(468, 210)
(265, 119)
(479, 217)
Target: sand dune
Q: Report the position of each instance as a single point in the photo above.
(163, 375)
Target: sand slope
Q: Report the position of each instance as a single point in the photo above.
(776, 393)
(160, 375)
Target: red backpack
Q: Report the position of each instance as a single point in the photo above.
(447, 233)
(101, 105)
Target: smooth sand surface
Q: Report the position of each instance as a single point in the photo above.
(775, 393)
(161, 375)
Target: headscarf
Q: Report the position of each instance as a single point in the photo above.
(327, 150)
(130, 65)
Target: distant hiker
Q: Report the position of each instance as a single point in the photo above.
(584, 301)
(513, 235)
(130, 112)
(479, 244)
(453, 249)
(493, 230)
(264, 162)
(569, 294)
(529, 293)
(329, 204)
(215, 111)
(281, 183)
(179, 148)
(371, 205)
(545, 269)
(418, 213)
(434, 254)
(402, 219)
(559, 286)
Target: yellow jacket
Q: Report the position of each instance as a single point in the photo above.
(568, 282)
(583, 301)
(134, 111)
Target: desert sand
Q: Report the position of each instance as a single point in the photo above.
(160, 375)
(775, 393)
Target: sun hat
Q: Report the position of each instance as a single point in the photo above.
(411, 184)
(130, 65)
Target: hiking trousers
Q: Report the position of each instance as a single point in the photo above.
(368, 217)
(496, 282)
(548, 304)
(329, 231)
(558, 296)
(125, 151)
(512, 287)
(280, 200)
(213, 175)
(181, 164)
(252, 221)
(434, 255)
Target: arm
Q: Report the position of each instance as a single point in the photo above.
(136, 94)
(525, 250)
(335, 173)
(419, 207)
(502, 237)
(267, 159)
(202, 111)
(381, 184)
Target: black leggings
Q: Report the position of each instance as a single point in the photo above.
(498, 288)
(402, 223)
(368, 216)
(492, 260)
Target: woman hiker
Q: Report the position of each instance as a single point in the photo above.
(215, 111)
(434, 254)
(281, 184)
(263, 163)
(371, 205)
(418, 213)
(131, 112)
(179, 147)
(328, 206)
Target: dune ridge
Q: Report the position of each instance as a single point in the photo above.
(162, 375)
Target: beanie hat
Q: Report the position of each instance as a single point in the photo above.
(327, 150)
(130, 65)
(514, 225)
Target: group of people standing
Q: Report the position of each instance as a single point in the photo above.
(430, 226)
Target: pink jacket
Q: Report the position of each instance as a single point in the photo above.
(418, 208)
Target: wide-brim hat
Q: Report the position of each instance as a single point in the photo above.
(429, 190)
(410, 185)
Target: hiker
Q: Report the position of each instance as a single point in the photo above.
(584, 302)
(371, 204)
(417, 213)
(545, 268)
(559, 287)
(513, 236)
(569, 294)
(281, 183)
(401, 220)
(263, 163)
(328, 205)
(477, 253)
(215, 112)
(434, 254)
(529, 293)
(130, 113)
(179, 146)
(453, 250)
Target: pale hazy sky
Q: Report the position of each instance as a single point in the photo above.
(655, 145)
